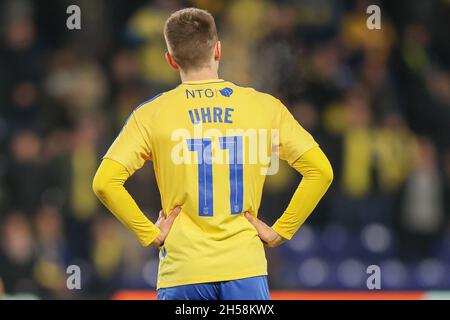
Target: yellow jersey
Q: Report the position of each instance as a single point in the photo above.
(211, 143)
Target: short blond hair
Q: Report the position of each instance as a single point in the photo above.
(191, 35)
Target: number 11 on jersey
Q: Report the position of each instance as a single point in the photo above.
(205, 176)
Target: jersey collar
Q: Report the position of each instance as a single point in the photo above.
(208, 81)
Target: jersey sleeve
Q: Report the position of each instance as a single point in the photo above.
(131, 147)
(294, 140)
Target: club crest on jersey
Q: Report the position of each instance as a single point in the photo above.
(226, 92)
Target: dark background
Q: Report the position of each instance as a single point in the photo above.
(377, 101)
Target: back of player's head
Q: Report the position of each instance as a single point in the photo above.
(191, 36)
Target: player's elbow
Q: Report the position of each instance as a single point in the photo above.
(100, 185)
(326, 174)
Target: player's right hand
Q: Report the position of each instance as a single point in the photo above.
(164, 224)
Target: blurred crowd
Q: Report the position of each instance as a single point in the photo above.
(377, 101)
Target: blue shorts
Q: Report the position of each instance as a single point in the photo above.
(254, 288)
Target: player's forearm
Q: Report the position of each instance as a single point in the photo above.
(317, 177)
(108, 185)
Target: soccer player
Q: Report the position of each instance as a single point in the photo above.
(205, 139)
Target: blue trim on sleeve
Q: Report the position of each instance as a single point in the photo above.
(149, 100)
(257, 90)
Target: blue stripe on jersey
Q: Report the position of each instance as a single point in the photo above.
(149, 100)
(257, 90)
(234, 146)
(145, 102)
(205, 178)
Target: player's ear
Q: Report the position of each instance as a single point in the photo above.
(172, 62)
(217, 51)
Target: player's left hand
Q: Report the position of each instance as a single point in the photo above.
(164, 224)
(267, 235)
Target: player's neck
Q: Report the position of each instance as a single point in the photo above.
(199, 75)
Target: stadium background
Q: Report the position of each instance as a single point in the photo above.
(377, 101)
